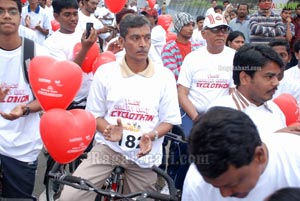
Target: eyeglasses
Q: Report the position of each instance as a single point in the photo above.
(11, 12)
(223, 29)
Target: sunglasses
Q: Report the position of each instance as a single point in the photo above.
(223, 29)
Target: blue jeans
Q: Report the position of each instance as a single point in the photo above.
(18, 178)
(187, 123)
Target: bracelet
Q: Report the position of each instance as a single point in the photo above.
(156, 134)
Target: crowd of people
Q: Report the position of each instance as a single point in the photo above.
(215, 81)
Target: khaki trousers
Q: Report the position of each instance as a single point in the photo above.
(98, 166)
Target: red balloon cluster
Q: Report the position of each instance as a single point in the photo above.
(103, 58)
(55, 25)
(289, 106)
(65, 134)
(115, 6)
(91, 55)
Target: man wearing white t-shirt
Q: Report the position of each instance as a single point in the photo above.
(131, 119)
(36, 18)
(86, 14)
(202, 81)
(61, 43)
(158, 35)
(211, 10)
(231, 162)
(20, 141)
(256, 74)
(289, 83)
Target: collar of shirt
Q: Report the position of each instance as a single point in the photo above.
(272, 14)
(37, 10)
(238, 21)
(126, 72)
(242, 102)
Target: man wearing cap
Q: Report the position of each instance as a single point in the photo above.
(175, 51)
(158, 35)
(206, 73)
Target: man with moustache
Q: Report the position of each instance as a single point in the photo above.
(241, 22)
(233, 162)
(256, 74)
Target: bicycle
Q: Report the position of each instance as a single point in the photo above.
(114, 182)
(53, 189)
(83, 184)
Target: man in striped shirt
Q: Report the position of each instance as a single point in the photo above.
(265, 25)
(174, 51)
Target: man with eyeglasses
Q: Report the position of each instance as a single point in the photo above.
(20, 141)
(206, 73)
(265, 24)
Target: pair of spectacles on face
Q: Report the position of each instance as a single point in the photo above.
(11, 12)
(223, 29)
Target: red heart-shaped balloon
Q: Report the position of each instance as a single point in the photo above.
(66, 134)
(54, 83)
(55, 25)
(289, 106)
(164, 21)
(103, 58)
(115, 6)
(87, 64)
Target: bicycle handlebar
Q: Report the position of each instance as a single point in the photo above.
(84, 184)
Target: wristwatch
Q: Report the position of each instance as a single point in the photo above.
(26, 111)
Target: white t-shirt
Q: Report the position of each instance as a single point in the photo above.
(283, 170)
(19, 139)
(83, 19)
(141, 102)
(158, 40)
(208, 76)
(209, 11)
(289, 86)
(28, 33)
(197, 37)
(293, 73)
(61, 47)
(268, 117)
(41, 18)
